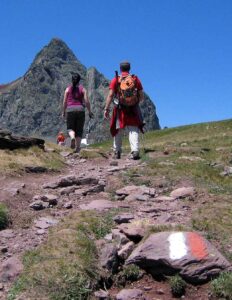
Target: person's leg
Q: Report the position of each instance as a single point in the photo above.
(71, 128)
(118, 144)
(78, 144)
(80, 121)
(134, 141)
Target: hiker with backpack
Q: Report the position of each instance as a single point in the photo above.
(75, 101)
(128, 91)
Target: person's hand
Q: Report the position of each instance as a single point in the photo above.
(91, 115)
(106, 114)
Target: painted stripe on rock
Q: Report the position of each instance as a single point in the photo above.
(177, 245)
(197, 245)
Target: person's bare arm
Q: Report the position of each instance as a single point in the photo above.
(108, 102)
(65, 102)
(87, 103)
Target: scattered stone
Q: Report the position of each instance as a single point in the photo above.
(139, 190)
(40, 232)
(126, 250)
(38, 205)
(120, 197)
(216, 165)
(68, 205)
(124, 218)
(45, 222)
(115, 169)
(142, 198)
(113, 163)
(130, 294)
(163, 198)
(183, 192)
(10, 268)
(98, 205)
(1, 286)
(68, 190)
(119, 237)
(205, 149)
(71, 180)
(183, 144)
(94, 189)
(160, 292)
(166, 152)
(65, 154)
(108, 237)
(4, 250)
(50, 198)
(188, 253)
(103, 295)
(147, 288)
(108, 257)
(35, 169)
(227, 171)
(134, 232)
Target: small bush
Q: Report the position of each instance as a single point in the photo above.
(222, 286)
(128, 274)
(4, 218)
(132, 272)
(178, 285)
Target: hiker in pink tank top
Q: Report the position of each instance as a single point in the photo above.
(75, 101)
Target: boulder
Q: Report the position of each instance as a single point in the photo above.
(166, 253)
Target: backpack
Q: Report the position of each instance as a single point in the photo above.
(127, 90)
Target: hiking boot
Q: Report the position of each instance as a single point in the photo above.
(77, 150)
(73, 143)
(117, 154)
(135, 155)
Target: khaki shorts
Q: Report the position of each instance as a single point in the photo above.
(75, 122)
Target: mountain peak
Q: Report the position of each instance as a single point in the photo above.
(56, 49)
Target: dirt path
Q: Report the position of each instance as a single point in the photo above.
(29, 227)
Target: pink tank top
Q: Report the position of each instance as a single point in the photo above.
(78, 99)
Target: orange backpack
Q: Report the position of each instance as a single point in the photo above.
(127, 89)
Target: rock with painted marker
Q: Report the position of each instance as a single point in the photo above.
(188, 253)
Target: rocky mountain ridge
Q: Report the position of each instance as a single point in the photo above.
(31, 105)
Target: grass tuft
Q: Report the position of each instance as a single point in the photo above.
(178, 285)
(4, 217)
(66, 266)
(222, 286)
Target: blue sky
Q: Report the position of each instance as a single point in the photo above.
(181, 49)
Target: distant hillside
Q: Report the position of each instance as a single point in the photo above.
(31, 105)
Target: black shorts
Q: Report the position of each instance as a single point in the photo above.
(75, 122)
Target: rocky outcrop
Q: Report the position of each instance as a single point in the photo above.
(31, 105)
(11, 142)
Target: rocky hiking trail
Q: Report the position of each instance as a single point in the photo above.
(39, 201)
